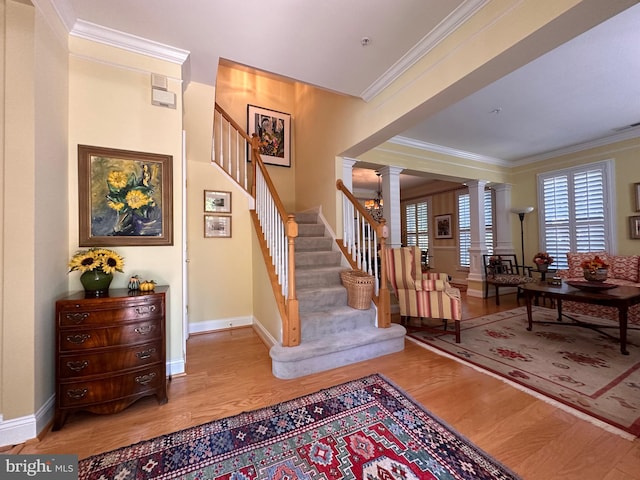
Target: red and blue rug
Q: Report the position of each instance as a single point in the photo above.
(363, 429)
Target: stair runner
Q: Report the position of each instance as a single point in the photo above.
(332, 333)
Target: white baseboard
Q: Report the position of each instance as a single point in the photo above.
(19, 430)
(214, 325)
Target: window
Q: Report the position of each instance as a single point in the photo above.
(464, 226)
(575, 215)
(417, 225)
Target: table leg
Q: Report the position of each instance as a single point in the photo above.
(622, 317)
(559, 309)
(527, 297)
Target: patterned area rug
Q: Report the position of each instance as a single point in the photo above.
(578, 367)
(364, 429)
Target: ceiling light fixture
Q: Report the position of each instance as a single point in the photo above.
(366, 41)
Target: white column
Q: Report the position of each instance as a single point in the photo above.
(347, 172)
(504, 217)
(391, 201)
(478, 244)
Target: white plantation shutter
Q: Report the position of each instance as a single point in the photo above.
(464, 229)
(575, 214)
(417, 225)
(464, 226)
(488, 220)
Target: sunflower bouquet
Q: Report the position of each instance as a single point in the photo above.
(101, 259)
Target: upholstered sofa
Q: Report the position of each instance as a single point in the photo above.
(623, 270)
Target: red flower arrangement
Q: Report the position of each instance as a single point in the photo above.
(543, 258)
(594, 264)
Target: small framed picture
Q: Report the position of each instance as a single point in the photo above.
(443, 226)
(217, 226)
(217, 202)
(636, 189)
(634, 227)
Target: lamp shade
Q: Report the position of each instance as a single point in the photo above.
(522, 210)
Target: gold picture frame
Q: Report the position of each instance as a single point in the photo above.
(125, 198)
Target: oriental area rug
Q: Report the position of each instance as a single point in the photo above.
(575, 368)
(363, 429)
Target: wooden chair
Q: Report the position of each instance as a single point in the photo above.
(504, 271)
(422, 295)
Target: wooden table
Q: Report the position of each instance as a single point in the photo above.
(620, 297)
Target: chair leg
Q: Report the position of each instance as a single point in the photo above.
(497, 296)
(457, 326)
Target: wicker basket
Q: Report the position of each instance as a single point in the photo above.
(597, 275)
(359, 287)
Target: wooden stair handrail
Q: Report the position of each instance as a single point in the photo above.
(289, 309)
(383, 300)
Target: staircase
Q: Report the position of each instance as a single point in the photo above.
(332, 333)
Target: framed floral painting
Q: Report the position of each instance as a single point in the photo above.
(124, 197)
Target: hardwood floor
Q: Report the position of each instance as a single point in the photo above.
(229, 372)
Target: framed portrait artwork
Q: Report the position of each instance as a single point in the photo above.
(274, 130)
(217, 226)
(443, 226)
(217, 201)
(636, 191)
(124, 197)
(634, 227)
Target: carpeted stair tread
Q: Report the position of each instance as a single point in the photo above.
(337, 320)
(310, 230)
(314, 299)
(331, 344)
(305, 259)
(318, 277)
(306, 244)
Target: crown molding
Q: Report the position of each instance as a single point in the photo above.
(580, 147)
(131, 43)
(424, 46)
(432, 147)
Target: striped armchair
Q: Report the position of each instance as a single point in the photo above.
(422, 295)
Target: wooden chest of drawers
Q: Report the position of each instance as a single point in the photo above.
(110, 351)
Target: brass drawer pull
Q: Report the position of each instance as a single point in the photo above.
(146, 353)
(145, 379)
(77, 393)
(77, 317)
(145, 309)
(145, 329)
(77, 366)
(79, 338)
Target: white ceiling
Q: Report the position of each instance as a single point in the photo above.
(577, 94)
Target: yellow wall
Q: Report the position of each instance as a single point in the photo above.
(34, 207)
(110, 106)
(625, 155)
(220, 291)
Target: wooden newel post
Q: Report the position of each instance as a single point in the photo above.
(384, 300)
(291, 328)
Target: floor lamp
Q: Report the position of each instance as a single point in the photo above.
(521, 213)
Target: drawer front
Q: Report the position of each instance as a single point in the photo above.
(130, 333)
(90, 363)
(115, 387)
(80, 314)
